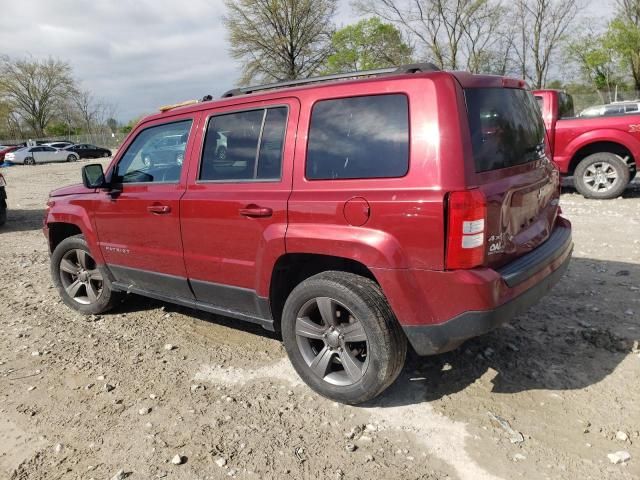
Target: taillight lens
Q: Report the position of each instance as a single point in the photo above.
(467, 218)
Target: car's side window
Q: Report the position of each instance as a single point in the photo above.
(244, 146)
(359, 137)
(155, 155)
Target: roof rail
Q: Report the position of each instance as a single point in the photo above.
(411, 68)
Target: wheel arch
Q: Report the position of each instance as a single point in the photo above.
(63, 221)
(291, 269)
(617, 148)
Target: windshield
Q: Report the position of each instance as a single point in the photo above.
(506, 127)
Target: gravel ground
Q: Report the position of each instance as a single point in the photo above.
(153, 390)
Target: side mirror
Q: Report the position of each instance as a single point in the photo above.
(93, 176)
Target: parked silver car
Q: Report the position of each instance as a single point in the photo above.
(615, 108)
(40, 154)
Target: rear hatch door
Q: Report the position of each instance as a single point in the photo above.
(512, 168)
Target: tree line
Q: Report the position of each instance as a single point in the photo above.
(546, 42)
(40, 97)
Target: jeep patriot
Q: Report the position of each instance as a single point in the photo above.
(357, 214)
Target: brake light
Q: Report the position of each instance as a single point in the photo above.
(467, 216)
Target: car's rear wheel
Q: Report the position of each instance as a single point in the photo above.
(601, 175)
(83, 285)
(29, 161)
(106, 154)
(72, 158)
(342, 337)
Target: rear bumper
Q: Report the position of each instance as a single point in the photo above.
(433, 339)
(440, 310)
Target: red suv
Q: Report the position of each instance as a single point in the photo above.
(354, 215)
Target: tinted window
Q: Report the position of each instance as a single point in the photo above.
(359, 137)
(506, 127)
(631, 108)
(244, 146)
(565, 106)
(148, 159)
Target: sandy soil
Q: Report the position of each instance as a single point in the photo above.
(545, 397)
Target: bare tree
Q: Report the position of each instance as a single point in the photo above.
(280, 39)
(455, 34)
(543, 29)
(36, 89)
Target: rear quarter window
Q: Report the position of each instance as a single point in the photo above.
(359, 137)
(506, 127)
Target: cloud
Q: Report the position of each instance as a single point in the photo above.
(136, 54)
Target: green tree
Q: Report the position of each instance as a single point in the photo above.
(279, 39)
(366, 45)
(36, 89)
(597, 61)
(623, 37)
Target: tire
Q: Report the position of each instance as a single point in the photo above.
(379, 357)
(72, 158)
(69, 250)
(29, 161)
(601, 175)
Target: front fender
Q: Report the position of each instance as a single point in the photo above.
(74, 214)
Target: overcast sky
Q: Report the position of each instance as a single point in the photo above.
(136, 54)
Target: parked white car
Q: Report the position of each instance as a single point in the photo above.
(40, 154)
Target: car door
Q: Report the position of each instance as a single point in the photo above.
(51, 154)
(92, 151)
(138, 222)
(234, 213)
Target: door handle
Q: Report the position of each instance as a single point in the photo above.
(159, 209)
(253, 211)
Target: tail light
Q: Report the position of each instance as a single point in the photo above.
(467, 217)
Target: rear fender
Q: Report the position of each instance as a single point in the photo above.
(601, 135)
(372, 248)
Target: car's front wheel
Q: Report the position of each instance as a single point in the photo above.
(29, 161)
(83, 285)
(72, 158)
(342, 337)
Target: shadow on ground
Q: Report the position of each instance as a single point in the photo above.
(573, 338)
(23, 220)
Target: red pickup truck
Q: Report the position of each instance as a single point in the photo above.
(600, 152)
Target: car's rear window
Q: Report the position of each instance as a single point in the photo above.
(359, 137)
(506, 127)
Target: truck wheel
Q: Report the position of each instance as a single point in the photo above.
(601, 175)
(342, 337)
(82, 284)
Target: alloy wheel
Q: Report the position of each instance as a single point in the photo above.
(332, 341)
(600, 177)
(80, 276)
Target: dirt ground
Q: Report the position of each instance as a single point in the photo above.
(547, 397)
